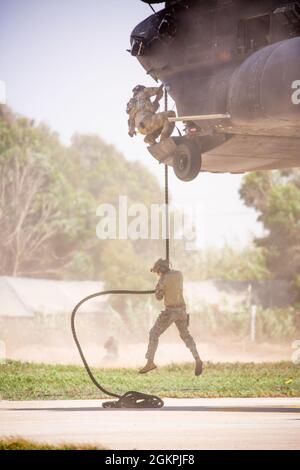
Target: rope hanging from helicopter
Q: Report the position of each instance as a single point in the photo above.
(130, 399)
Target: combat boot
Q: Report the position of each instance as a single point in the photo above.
(198, 366)
(149, 366)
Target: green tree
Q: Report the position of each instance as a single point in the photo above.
(276, 197)
(222, 263)
(48, 201)
(49, 194)
(33, 205)
(103, 172)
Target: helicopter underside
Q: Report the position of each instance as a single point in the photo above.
(263, 129)
(243, 153)
(238, 154)
(257, 88)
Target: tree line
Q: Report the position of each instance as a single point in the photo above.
(49, 194)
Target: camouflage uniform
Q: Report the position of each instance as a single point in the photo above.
(170, 287)
(143, 116)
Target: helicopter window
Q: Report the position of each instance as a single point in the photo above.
(167, 28)
(253, 33)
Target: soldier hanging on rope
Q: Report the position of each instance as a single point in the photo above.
(170, 288)
(143, 114)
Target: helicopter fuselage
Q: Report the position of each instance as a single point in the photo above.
(236, 57)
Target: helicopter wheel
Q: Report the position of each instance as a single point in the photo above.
(187, 161)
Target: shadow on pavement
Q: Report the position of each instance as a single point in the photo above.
(243, 409)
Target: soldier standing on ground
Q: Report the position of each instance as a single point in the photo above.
(112, 349)
(143, 115)
(170, 288)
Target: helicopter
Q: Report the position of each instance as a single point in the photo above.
(232, 68)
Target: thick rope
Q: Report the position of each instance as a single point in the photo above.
(131, 399)
(167, 226)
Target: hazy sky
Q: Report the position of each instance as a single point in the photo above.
(65, 63)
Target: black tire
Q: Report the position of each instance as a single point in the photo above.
(187, 161)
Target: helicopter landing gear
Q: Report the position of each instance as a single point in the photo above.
(182, 153)
(187, 161)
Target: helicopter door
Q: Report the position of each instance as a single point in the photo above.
(253, 33)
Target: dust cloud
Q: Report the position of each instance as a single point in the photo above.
(133, 354)
(55, 345)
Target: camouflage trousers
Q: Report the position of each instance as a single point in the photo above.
(155, 125)
(165, 319)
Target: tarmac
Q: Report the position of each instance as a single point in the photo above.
(205, 423)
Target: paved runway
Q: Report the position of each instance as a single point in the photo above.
(227, 423)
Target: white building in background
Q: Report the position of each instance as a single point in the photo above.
(24, 297)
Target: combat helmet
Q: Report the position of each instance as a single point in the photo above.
(160, 266)
(138, 88)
